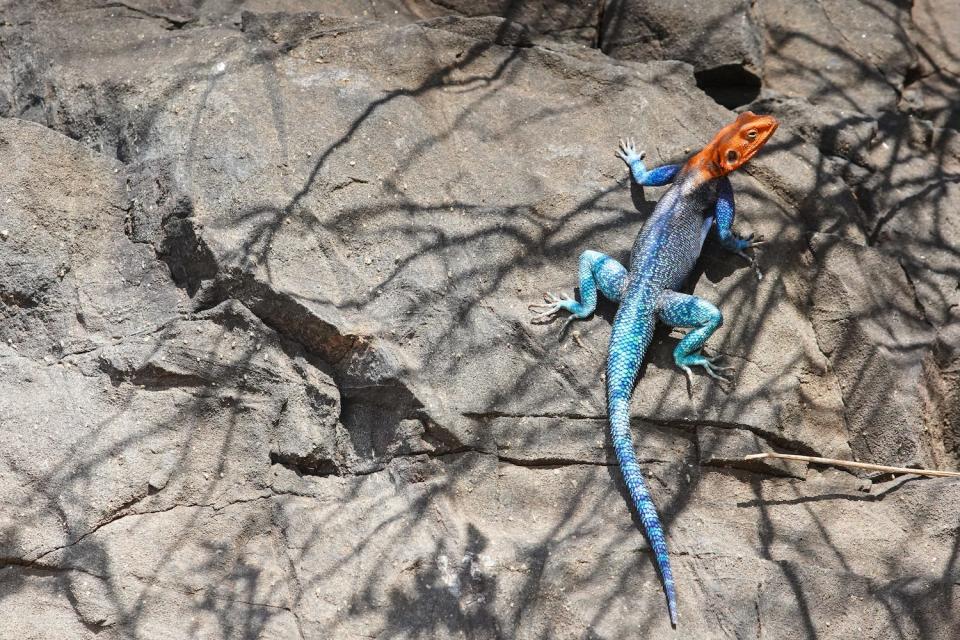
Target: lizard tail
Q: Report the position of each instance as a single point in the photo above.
(622, 370)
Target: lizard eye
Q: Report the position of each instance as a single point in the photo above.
(732, 156)
(752, 134)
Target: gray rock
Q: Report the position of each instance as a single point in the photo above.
(568, 20)
(849, 56)
(720, 39)
(70, 278)
(728, 448)
(937, 33)
(868, 325)
(908, 200)
(267, 371)
(835, 132)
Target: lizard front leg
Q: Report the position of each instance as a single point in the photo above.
(723, 216)
(597, 271)
(655, 177)
(682, 310)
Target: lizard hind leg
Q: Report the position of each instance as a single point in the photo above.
(598, 272)
(682, 310)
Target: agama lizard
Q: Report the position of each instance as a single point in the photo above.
(663, 255)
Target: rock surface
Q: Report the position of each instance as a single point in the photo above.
(266, 369)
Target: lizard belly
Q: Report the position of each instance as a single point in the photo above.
(669, 244)
(707, 223)
(683, 248)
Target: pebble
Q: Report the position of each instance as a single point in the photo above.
(4, 234)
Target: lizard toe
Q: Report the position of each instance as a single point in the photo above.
(689, 374)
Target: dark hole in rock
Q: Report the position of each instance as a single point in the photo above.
(731, 85)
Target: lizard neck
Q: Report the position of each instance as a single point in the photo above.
(695, 177)
(702, 167)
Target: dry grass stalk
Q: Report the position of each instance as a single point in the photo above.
(858, 465)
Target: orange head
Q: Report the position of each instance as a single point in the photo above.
(734, 144)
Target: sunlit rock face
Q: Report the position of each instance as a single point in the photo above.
(266, 366)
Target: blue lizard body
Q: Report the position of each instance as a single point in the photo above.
(662, 258)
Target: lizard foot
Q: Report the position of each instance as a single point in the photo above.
(709, 366)
(553, 304)
(627, 152)
(750, 242)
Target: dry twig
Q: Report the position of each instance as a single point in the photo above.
(857, 465)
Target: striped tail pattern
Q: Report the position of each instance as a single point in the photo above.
(628, 343)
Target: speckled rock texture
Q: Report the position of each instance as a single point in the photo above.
(266, 366)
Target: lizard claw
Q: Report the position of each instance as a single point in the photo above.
(717, 373)
(566, 323)
(754, 240)
(741, 243)
(713, 360)
(753, 263)
(749, 242)
(553, 304)
(547, 310)
(689, 373)
(627, 151)
(711, 369)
